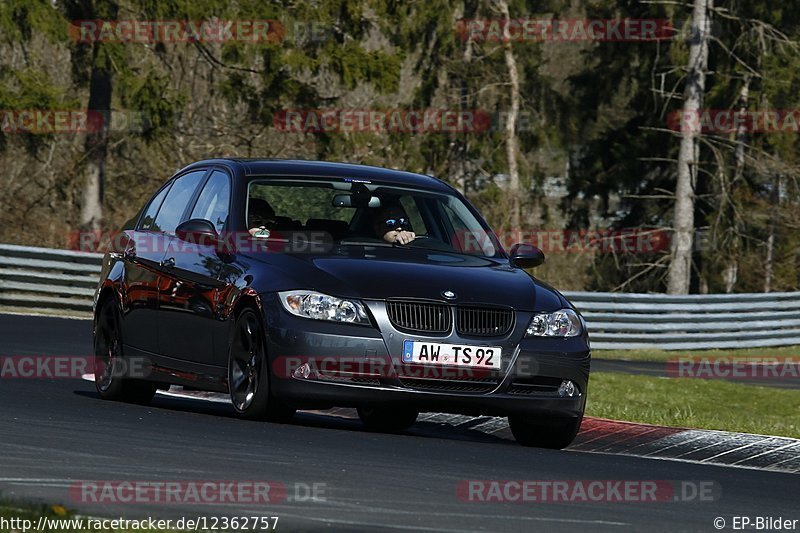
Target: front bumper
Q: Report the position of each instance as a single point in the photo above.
(351, 366)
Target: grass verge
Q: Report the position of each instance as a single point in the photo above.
(664, 355)
(695, 403)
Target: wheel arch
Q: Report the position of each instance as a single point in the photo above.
(248, 299)
(107, 293)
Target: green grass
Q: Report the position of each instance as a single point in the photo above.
(695, 403)
(664, 355)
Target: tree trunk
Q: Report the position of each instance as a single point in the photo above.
(680, 268)
(461, 140)
(732, 270)
(96, 144)
(512, 143)
(769, 262)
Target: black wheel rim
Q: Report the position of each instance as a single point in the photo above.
(107, 351)
(245, 363)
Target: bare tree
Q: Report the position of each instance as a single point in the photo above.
(99, 107)
(680, 268)
(512, 143)
(769, 262)
(731, 272)
(96, 148)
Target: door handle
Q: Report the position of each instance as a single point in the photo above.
(130, 253)
(168, 262)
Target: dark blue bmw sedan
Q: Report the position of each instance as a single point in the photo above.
(309, 285)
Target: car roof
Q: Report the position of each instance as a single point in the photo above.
(297, 167)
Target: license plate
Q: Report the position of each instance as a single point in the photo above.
(452, 354)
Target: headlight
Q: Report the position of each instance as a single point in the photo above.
(309, 304)
(561, 323)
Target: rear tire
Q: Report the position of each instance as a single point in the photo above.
(109, 361)
(554, 433)
(248, 373)
(387, 419)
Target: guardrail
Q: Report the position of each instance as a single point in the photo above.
(47, 279)
(622, 321)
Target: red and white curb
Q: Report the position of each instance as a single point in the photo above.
(745, 450)
(599, 435)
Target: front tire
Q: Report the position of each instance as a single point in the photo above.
(387, 419)
(109, 362)
(553, 433)
(248, 373)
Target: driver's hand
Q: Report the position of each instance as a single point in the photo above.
(399, 236)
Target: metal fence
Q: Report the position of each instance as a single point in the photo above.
(47, 279)
(622, 321)
(60, 280)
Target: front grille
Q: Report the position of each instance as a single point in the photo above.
(419, 316)
(484, 321)
(441, 385)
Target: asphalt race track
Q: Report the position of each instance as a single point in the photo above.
(58, 432)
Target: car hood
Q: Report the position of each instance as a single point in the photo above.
(380, 272)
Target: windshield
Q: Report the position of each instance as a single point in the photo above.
(355, 213)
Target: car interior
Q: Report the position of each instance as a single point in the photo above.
(436, 225)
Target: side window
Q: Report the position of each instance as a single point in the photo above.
(169, 216)
(148, 221)
(212, 204)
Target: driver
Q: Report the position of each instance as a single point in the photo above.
(391, 223)
(260, 216)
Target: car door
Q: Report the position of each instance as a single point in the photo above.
(188, 301)
(145, 269)
(142, 251)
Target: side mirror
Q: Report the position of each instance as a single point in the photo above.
(198, 231)
(526, 256)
